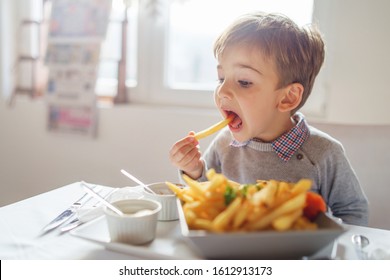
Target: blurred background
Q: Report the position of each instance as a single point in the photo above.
(155, 79)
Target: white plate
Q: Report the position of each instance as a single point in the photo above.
(175, 241)
(169, 243)
(292, 244)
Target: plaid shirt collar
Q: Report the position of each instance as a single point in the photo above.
(288, 143)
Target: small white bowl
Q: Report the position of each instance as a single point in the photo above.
(126, 193)
(167, 199)
(134, 227)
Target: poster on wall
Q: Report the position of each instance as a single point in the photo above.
(73, 71)
(78, 120)
(77, 29)
(78, 19)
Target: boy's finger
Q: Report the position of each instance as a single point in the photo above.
(190, 156)
(182, 142)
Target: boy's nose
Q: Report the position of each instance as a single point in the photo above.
(224, 91)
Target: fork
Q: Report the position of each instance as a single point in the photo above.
(77, 222)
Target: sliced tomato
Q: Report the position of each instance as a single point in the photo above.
(314, 205)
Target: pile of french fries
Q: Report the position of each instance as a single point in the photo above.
(221, 205)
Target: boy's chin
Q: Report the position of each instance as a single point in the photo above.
(239, 137)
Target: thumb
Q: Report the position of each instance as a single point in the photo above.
(192, 138)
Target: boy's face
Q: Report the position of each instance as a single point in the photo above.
(248, 88)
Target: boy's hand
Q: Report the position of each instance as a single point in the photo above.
(185, 155)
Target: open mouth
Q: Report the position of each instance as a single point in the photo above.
(236, 123)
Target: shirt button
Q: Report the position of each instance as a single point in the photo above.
(299, 156)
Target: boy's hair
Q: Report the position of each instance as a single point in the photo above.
(298, 53)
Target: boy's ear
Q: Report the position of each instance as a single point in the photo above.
(291, 97)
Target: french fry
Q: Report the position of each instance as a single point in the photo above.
(283, 193)
(287, 207)
(214, 128)
(217, 181)
(192, 205)
(302, 223)
(180, 193)
(256, 214)
(234, 184)
(241, 215)
(194, 185)
(223, 219)
(266, 196)
(285, 222)
(210, 174)
(190, 216)
(186, 198)
(202, 224)
(194, 195)
(213, 212)
(261, 183)
(303, 185)
(174, 188)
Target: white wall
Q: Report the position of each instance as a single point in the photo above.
(367, 149)
(136, 138)
(356, 67)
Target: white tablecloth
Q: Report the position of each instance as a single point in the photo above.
(21, 224)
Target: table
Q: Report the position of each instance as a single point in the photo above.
(21, 224)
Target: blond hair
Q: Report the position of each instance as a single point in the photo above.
(298, 53)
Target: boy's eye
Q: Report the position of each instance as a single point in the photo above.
(244, 83)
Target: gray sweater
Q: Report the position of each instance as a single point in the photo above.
(321, 158)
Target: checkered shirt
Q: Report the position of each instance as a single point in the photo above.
(288, 143)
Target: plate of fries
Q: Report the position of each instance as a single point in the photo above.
(268, 219)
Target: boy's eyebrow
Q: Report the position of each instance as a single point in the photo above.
(248, 67)
(240, 65)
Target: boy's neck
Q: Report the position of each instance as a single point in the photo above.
(285, 126)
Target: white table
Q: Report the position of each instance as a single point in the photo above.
(21, 224)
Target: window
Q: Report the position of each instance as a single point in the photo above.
(111, 52)
(28, 64)
(190, 59)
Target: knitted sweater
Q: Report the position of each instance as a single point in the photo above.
(321, 158)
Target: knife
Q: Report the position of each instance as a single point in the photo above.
(67, 214)
(77, 222)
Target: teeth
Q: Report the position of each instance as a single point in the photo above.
(237, 126)
(236, 123)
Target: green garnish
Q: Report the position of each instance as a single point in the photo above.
(244, 189)
(229, 195)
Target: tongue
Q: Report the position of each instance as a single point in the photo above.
(236, 121)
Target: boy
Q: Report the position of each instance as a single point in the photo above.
(266, 69)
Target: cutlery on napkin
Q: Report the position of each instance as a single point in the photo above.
(87, 214)
(67, 214)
